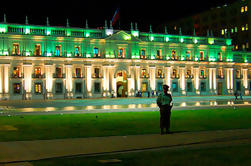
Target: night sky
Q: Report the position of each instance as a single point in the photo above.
(144, 13)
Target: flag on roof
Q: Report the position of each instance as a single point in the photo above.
(115, 17)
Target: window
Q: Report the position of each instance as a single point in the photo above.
(238, 85)
(242, 9)
(78, 88)
(175, 86)
(58, 50)
(202, 86)
(78, 72)
(59, 88)
(96, 73)
(220, 73)
(159, 73)
(144, 87)
(16, 49)
(97, 87)
(58, 72)
(77, 51)
(143, 73)
(38, 88)
(16, 88)
(188, 55)
(173, 55)
(96, 52)
(236, 29)
(37, 72)
(121, 53)
(142, 54)
(238, 74)
(202, 57)
(37, 50)
(174, 74)
(159, 54)
(188, 74)
(220, 56)
(202, 74)
(16, 72)
(189, 87)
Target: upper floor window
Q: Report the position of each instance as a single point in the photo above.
(159, 73)
(202, 56)
(77, 51)
(96, 72)
(78, 72)
(144, 73)
(96, 52)
(37, 71)
(159, 54)
(143, 54)
(238, 74)
(220, 73)
(58, 50)
(16, 72)
(188, 55)
(188, 74)
(203, 74)
(220, 58)
(37, 51)
(121, 53)
(175, 74)
(59, 73)
(16, 49)
(174, 55)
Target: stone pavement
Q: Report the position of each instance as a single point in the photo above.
(21, 152)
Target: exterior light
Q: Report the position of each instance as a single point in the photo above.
(87, 34)
(195, 41)
(181, 40)
(135, 33)
(151, 38)
(68, 54)
(48, 54)
(210, 40)
(27, 31)
(167, 39)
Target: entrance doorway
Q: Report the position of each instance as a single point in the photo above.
(121, 84)
(219, 88)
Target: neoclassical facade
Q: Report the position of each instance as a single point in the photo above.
(45, 62)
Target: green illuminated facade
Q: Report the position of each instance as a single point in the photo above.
(63, 62)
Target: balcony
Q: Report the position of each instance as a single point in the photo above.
(189, 77)
(203, 77)
(175, 76)
(160, 76)
(17, 76)
(38, 76)
(220, 76)
(57, 75)
(96, 75)
(144, 76)
(78, 76)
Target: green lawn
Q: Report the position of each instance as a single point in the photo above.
(222, 156)
(32, 127)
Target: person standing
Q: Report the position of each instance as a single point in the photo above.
(164, 102)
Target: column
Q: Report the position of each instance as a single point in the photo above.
(106, 80)
(113, 81)
(1, 81)
(182, 80)
(152, 77)
(229, 80)
(131, 82)
(27, 80)
(68, 78)
(245, 81)
(168, 76)
(49, 80)
(137, 77)
(88, 80)
(196, 80)
(214, 81)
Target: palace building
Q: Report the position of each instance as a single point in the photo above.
(46, 62)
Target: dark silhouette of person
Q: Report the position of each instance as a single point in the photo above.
(236, 95)
(164, 102)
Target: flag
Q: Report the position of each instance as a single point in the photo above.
(115, 17)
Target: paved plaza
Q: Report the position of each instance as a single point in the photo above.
(23, 151)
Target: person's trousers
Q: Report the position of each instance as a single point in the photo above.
(165, 116)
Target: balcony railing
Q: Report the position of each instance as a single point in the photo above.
(55, 75)
(39, 76)
(175, 76)
(203, 77)
(189, 77)
(18, 76)
(160, 76)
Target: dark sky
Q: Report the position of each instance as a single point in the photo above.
(144, 13)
